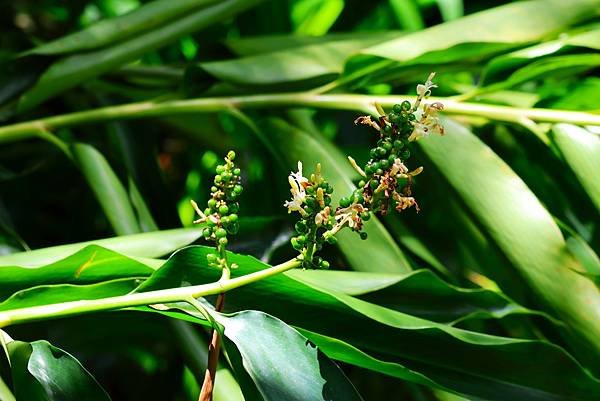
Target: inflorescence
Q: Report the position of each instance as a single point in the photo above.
(385, 179)
(220, 214)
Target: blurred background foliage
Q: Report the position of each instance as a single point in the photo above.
(499, 209)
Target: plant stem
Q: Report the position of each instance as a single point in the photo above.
(180, 294)
(360, 103)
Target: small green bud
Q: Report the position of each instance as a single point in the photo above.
(301, 239)
(223, 241)
(218, 179)
(379, 171)
(212, 203)
(324, 264)
(220, 169)
(301, 227)
(361, 183)
(207, 232)
(345, 202)
(223, 209)
(398, 144)
(238, 189)
(220, 233)
(295, 244)
(237, 171)
(405, 154)
(365, 216)
(211, 258)
(233, 218)
(231, 155)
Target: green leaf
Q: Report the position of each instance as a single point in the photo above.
(581, 150)
(107, 32)
(393, 342)
(58, 293)
(146, 245)
(89, 265)
(520, 225)
(107, 187)
(73, 70)
(321, 61)
(314, 17)
(473, 37)
(281, 362)
(42, 372)
(293, 145)
(451, 9)
(407, 14)
(557, 66)
(251, 46)
(146, 220)
(499, 65)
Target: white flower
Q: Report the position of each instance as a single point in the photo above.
(298, 184)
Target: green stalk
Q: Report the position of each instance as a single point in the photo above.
(180, 294)
(362, 103)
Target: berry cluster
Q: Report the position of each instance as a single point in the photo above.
(220, 214)
(385, 182)
(312, 199)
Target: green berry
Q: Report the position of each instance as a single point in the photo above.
(238, 189)
(387, 146)
(363, 235)
(233, 218)
(369, 169)
(381, 151)
(220, 233)
(365, 216)
(207, 232)
(384, 164)
(301, 239)
(234, 207)
(237, 171)
(405, 154)
(379, 171)
(301, 227)
(398, 144)
(225, 220)
(412, 117)
(324, 264)
(373, 184)
(220, 169)
(226, 176)
(361, 183)
(392, 159)
(345, 202)
(231, 155)
(211, 258)
(223, 209)
(213, 189)
(212, 203)
(223, 241)
(295, 244)
(393, 117)
(373, 153)
(233, 228)
(218, 179)
(405, 105)
(331, 239)
(397, 109)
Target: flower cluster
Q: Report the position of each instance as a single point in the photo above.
(311, 198)
(385, 184)
(220, 215)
